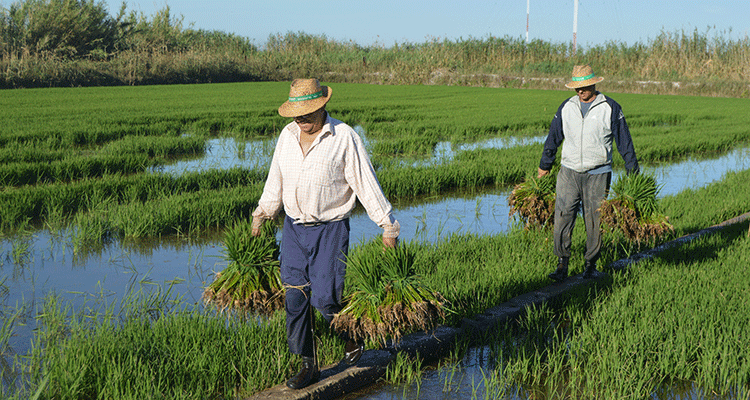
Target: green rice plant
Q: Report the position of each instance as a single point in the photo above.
(386, 298)
(74, 198)
(87, 139)
(636, 337)
(404, 370)
(474, 273)
(534, 201)
(251, 282)
(73, 168)
(634, 210)
(10, 318)
(152, 348)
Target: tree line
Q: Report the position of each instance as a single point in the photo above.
(46, 43)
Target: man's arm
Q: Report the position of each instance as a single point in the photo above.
(623, 140)
(361, 177)
(270, 202)
(554, 138)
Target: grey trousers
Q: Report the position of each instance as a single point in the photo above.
(573, 190)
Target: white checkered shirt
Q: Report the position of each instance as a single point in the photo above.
(324, 185)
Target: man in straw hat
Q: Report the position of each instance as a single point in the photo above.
(586, 125)
(318, 171)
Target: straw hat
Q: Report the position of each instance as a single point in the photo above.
(583, 75)
(305, 96)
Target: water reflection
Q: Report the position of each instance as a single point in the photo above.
(486, 212)
(481, 212)
(445, 151)
(466, 378)
(226, 153)
(696, 173)
(52, 267)
(475, 377)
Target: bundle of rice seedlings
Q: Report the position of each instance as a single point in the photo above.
(251, 282)
(534, 201)
(633, 209)
(386, 298)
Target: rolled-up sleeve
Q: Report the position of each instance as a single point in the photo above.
(361, 177)
(270, 203)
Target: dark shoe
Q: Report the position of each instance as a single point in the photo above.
(590, 271)
(353, 352)
(307, 375)
(562, 270)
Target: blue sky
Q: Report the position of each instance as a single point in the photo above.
(386, 22)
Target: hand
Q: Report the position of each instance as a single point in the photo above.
(542, 172)
(390, 242)
(257, 224)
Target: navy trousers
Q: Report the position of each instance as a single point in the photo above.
(313, 266)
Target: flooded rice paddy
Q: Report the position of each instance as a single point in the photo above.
(40, 262)
(468, 378)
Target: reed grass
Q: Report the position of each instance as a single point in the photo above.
(160, 50)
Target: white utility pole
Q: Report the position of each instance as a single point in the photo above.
(527, 20)
(575, 25)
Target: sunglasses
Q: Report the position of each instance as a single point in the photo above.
(305, 117)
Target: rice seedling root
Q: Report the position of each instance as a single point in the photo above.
(534, 201)
(251, 283)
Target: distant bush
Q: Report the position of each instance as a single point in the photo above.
(59, 28)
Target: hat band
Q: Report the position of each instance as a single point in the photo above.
(307, 96)
(583, 78)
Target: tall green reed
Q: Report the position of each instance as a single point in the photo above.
(162, 51)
